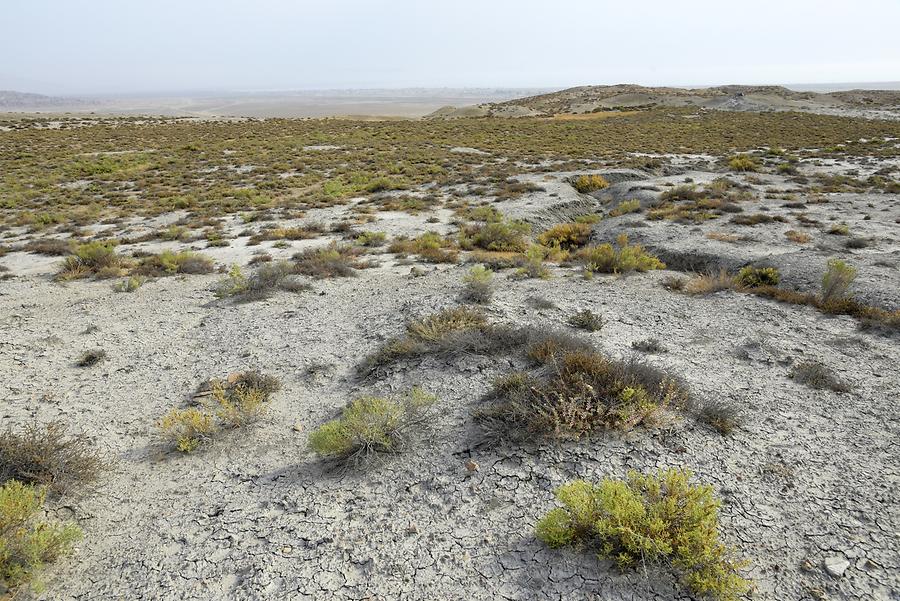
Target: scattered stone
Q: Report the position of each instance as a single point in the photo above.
(836, 565)
(472, 466)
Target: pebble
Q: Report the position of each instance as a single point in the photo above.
(836, 565)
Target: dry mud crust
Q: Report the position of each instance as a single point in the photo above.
(810, 476)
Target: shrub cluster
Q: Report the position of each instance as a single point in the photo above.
(97, 258)
(169, 263)
(622, 258)
(334, 261)
(579, 392)
(496, 235)
(650, 519)
(268, 278)
(566, 235)
(463, 330)
(625, 207)
(743, 163)
(430, 247)
(233, 403)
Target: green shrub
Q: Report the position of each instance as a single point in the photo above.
(333, 261)
(590, 218)
(497, 236)
(430, 247)
(170, 263)
(754, 277)
(566, 235)
(373, 425)
(837, 280)
(187, 429)
(532, 264)
(590, 183)
(626, 258)
(371, 239)
(479, 285)
(93, 258)
(625, 207)
(481, 213)
(383, 184)
(647, 520)
(28, 543)
(268, 278)
(742, 162)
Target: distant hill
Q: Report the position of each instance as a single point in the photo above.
(12, 100)
(587, 99)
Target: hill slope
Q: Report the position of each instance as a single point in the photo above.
(586, 99)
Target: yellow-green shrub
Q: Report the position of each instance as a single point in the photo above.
(232, 403)
(625, 258)
(27, 543)
(479, 286)
(837, 280)
(496, 235)
(566, 235)
(649, 519)
(93, 258)
(754, 277)
(187, 429)
(742, 162)
(170, 262)
(372, 425)
(590, 183)
(626, 206)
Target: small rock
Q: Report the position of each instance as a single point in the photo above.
(298, 427)
(836, 565)
(412, 529)
(472, 466)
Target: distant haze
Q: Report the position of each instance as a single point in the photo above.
(86, 47)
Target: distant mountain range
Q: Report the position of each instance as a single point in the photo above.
(12, 100)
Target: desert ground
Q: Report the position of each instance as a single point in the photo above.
(143, 257)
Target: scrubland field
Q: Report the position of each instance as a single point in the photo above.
(637, 354)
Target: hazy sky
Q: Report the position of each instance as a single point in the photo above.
(87, 46)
